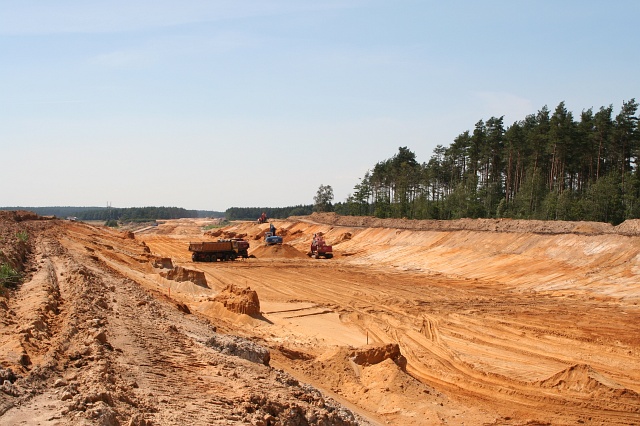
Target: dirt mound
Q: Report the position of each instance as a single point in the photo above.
(182, 274)
(381, 386)
(240, 347)
(629, 227)
(215, 233)
(344, 237)
(225, 234)
(19, 216)
(581, 378)
(375, 354)
(162, 262)
(239, 300)
(278, 250)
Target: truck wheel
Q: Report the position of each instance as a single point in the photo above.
(214, 258)
(194, 257)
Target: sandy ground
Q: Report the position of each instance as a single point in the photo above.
(496, 322)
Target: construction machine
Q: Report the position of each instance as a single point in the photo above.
(319, 247)
(270, 238)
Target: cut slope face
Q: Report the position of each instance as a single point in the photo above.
(183, 274)
(570, 257)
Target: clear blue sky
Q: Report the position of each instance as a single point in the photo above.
(208, 104)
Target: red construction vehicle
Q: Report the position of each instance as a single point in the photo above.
(319, 248)
(262, 218)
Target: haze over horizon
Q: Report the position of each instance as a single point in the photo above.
(208, 105)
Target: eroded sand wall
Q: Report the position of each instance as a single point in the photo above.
(563, 258)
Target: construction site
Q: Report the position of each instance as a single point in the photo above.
(338, 321)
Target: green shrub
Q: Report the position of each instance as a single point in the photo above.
(22, 236)
(9, 277)
(215, 226)
(112, 223)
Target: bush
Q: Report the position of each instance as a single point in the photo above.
(216, 226)
(9, 277)
(22, 236)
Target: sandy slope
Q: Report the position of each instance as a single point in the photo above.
(92, 337)
(497, 322)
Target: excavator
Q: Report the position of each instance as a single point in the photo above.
(319, 248)
(270, 238)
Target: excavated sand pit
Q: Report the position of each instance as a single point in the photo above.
(493, 322)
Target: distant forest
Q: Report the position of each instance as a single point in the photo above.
(548, 166)
(119, 214)
(251, 213)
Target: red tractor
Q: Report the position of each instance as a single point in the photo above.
(262, 218)
(319, 248)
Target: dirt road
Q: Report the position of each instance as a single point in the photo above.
(495, 322)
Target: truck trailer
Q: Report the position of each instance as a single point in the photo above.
(212, 251)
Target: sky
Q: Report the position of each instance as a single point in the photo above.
(210, 104)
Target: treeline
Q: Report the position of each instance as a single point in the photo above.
(119, 214)
(137, 214)
(548, 166)
(57, 211)
(253, 213)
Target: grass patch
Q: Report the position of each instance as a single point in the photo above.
(216, 225)
(9, 276)
(22, 236)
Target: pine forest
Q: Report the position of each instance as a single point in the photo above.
(549, 166)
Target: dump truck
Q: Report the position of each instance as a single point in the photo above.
(223, 249)
(319, 248)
